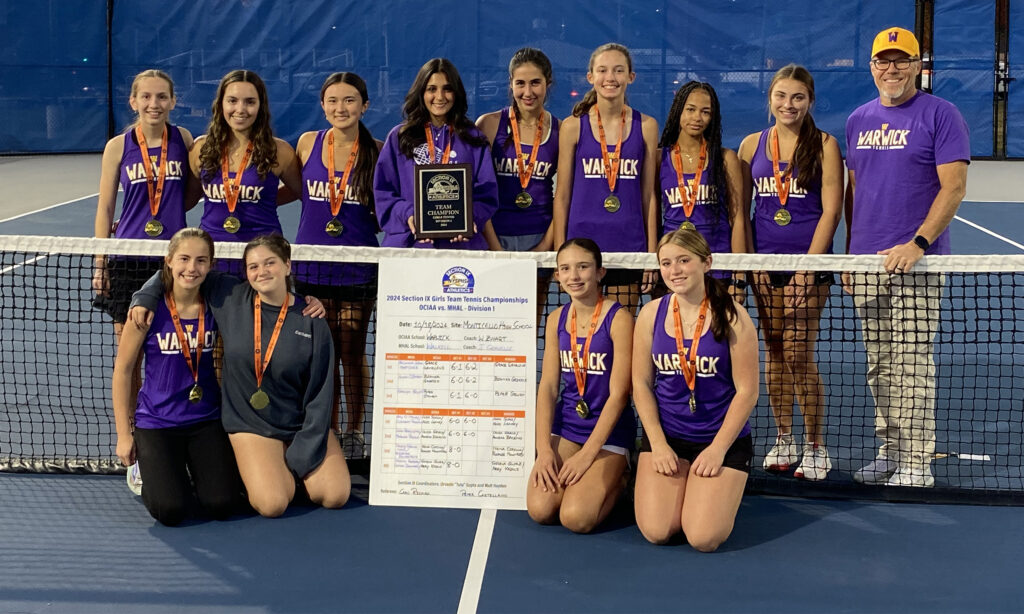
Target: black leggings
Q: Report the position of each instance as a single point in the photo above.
(172, 460)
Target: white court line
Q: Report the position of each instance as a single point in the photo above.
(477, 563)
(989, 232)
(66, 202)
(21, 264)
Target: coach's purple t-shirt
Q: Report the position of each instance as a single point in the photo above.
(893, 152)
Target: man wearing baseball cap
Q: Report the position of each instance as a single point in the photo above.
(907, 153)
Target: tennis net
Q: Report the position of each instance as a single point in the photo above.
(58, 351)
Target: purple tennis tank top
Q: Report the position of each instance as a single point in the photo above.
(623, 230)
(510, 219)
(163, 399)
(135, 209)
(567, 423)
(714, 227)
(804, 207)
(714, 387)
(359, 224)
(256, 208)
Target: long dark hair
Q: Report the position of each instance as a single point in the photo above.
(590, 98)
(218, 133)
(367, 158)
(718, 185)
(807, 157)
(416, 114)
(723, 308)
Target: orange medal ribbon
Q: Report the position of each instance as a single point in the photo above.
(781, 179)
(688, 192)
(155, 192)
(257, 339)
(579, 362)
(338, 192)
(233, 187)
(524, 168)
(183, 340)
(433, 151)
(689, 365)
(611, 160)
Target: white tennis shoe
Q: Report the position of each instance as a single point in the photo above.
(916, 476)
(783, 454)
(815, 464)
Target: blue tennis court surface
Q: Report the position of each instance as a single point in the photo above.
(81, 544)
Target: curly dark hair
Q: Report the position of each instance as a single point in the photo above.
(218, 133)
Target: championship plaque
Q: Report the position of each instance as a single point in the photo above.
(444, 201)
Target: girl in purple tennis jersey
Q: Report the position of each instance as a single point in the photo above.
(701, 181)
(607, 165)
(799, 218)
(523, 219)
(695, 383)
(344, 216)
(240, 163)
(435, 131)
(174, 429)
(584, 433)
(149, 161)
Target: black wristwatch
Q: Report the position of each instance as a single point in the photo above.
(922, 243)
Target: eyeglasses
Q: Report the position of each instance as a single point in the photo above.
(901, 64)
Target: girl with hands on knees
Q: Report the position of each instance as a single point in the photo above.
(695, 383)
(584, 433)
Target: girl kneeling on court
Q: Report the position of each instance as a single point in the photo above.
(277, 381)
(695, 382)
(175, 431)
(584, 434)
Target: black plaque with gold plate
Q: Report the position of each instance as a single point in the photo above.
(444, 201)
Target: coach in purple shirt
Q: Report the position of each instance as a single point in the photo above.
(907, 155)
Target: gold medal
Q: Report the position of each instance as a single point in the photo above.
(612, 204)
(782, 217)
(688, 225)
(231, 224)
(154, 228)
(582, 409)
(693, 403)
(334, 227)
(259, 399)
(195, 394)
(523, 199)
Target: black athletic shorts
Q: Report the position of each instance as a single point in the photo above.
(125, 274)
(738, 456)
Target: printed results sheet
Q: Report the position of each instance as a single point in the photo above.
(454, 383)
